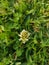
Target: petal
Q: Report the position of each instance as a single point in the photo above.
(19, 35)
(20, 39)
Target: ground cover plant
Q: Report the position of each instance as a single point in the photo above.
(24, 32)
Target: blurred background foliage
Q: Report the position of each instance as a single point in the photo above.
(33, 16)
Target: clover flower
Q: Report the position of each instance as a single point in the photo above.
(24, 36)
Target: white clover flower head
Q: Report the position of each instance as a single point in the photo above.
(24, 36)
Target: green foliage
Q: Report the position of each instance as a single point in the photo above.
(33, 16)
